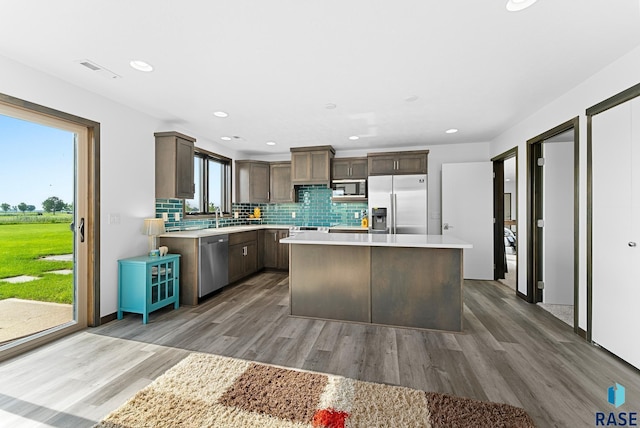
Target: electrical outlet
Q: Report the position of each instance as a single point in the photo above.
(176, 216)
(356, 215)
(165, 216)
(293, 214)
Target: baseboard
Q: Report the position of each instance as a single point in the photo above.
(108, 318)
(582, 333)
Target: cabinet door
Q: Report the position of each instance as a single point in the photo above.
(300, 166)
(252, 182)
(184, 169)
(411, 164)
(283, 250)
(271, 248)
(359, 168)
(281, 188)
(236, 262)
(250, 258)
(320, 168)
(259, 182)
(260, 249)
(341, 169)
(382, 165)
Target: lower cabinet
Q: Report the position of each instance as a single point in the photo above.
(243, 254)
(276, 255)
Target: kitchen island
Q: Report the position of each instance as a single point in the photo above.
(398, 280)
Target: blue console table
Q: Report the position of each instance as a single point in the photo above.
(148, 283)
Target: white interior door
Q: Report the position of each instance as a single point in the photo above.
(616, 214)
(558, 189)
(467, 213)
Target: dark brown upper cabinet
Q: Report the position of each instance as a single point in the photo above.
(397, 163)
(174, 165)
(252, 181)
(311, 165)
(280, 182)
(349, 168)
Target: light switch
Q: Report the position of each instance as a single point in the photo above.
(293, 214)
(356, 215)
(114, 218)
(176, 216)
(165, 216)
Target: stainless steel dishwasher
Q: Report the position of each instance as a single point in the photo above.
(214, 264)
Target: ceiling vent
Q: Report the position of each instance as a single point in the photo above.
(107, 74)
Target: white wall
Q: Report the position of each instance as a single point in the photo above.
(126, 162)
(615, 78)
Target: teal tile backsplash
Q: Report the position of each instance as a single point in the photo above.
(314, 208)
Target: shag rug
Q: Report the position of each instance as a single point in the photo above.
(212, 391)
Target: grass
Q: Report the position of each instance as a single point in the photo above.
(21, 247)
(19, 218)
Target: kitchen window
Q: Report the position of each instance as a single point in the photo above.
(212, 176)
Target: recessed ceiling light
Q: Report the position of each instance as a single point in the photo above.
(141, 65)
(225, 138)
(516, 5)
(330, 106)
(354, 137)
(271, 143)
(451, 131)
(411, 98)
(220, 114)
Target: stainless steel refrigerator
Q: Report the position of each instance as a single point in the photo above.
(405, 197)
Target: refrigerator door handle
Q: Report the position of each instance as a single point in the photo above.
(395, 213)
(392, 219)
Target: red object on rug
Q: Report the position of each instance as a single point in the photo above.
(329, 418)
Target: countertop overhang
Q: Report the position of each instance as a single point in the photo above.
(376, 240)
(200, 233)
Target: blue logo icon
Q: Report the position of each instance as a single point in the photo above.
(616, 395)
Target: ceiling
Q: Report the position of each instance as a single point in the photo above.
(399, 73)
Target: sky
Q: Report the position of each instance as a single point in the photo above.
(36, 162)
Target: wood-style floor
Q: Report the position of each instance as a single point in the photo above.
(510, 352)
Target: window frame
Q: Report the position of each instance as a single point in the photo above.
(203, 178)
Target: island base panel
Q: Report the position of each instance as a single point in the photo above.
(417, 287)
(330, 282)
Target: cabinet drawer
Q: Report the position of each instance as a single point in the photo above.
(237, 238)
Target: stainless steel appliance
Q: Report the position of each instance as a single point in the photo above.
(294, 230)
(351, 189)
(214, 264)
(378, 220)
(404, 197)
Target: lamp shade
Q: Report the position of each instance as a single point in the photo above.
(153, 226)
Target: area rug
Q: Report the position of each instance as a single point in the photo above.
(212, 391)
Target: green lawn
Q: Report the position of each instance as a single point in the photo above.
(21, 247)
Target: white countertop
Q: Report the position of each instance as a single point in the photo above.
(377, 240)
(199, 233)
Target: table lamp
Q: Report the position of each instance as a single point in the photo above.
(152, 227)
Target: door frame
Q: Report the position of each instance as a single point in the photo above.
(615, 100)
(498, 212)
(535, 210)
(91, 277)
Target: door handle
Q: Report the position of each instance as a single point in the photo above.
(81, 229)
(446, 226)
(632, 244)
